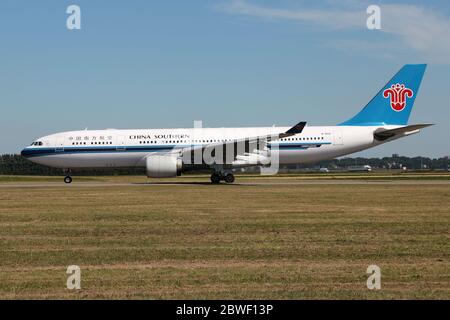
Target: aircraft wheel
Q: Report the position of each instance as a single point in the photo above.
(68, 179)
(229, 178)
(215, 178)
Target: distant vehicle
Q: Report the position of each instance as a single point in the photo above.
(170, 152)
(365, 168)
(324, 170)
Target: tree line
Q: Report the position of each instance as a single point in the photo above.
(12, 164)
(393, 162)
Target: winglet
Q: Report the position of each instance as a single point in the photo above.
(298, 128)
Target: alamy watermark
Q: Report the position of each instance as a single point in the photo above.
(373, 21)
(74, 278)
(73, 21)
(374, 280)
(222, 148)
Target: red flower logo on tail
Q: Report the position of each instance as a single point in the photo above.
(398, 93)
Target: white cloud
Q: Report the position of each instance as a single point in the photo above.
(333, 19)
(424, 30)
(421, 29)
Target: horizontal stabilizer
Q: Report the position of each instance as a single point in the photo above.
(404, 131)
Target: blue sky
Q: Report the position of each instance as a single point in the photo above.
(153, 64)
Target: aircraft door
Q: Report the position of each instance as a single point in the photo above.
(338, 138)
(59, 144)
(120, 145)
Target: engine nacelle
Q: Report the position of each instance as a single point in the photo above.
(163, 166)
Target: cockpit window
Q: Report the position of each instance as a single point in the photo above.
(37, 143)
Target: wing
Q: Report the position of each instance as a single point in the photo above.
(239, 152)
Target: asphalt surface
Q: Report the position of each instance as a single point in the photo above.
(262, 182)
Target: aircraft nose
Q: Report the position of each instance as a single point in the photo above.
(24, 153)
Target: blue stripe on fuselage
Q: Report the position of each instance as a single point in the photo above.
(37, 152)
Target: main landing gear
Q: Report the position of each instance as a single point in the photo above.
(216, 177)
(67, 178)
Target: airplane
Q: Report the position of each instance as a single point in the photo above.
(170, 152)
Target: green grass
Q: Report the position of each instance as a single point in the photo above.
(226, 241)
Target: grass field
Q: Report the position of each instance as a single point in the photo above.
(194, 241)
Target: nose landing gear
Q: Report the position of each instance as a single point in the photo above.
(216, 177)
(67, 178)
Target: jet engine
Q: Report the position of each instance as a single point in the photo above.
(163, 166)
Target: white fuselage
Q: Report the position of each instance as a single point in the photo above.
(129, 148)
